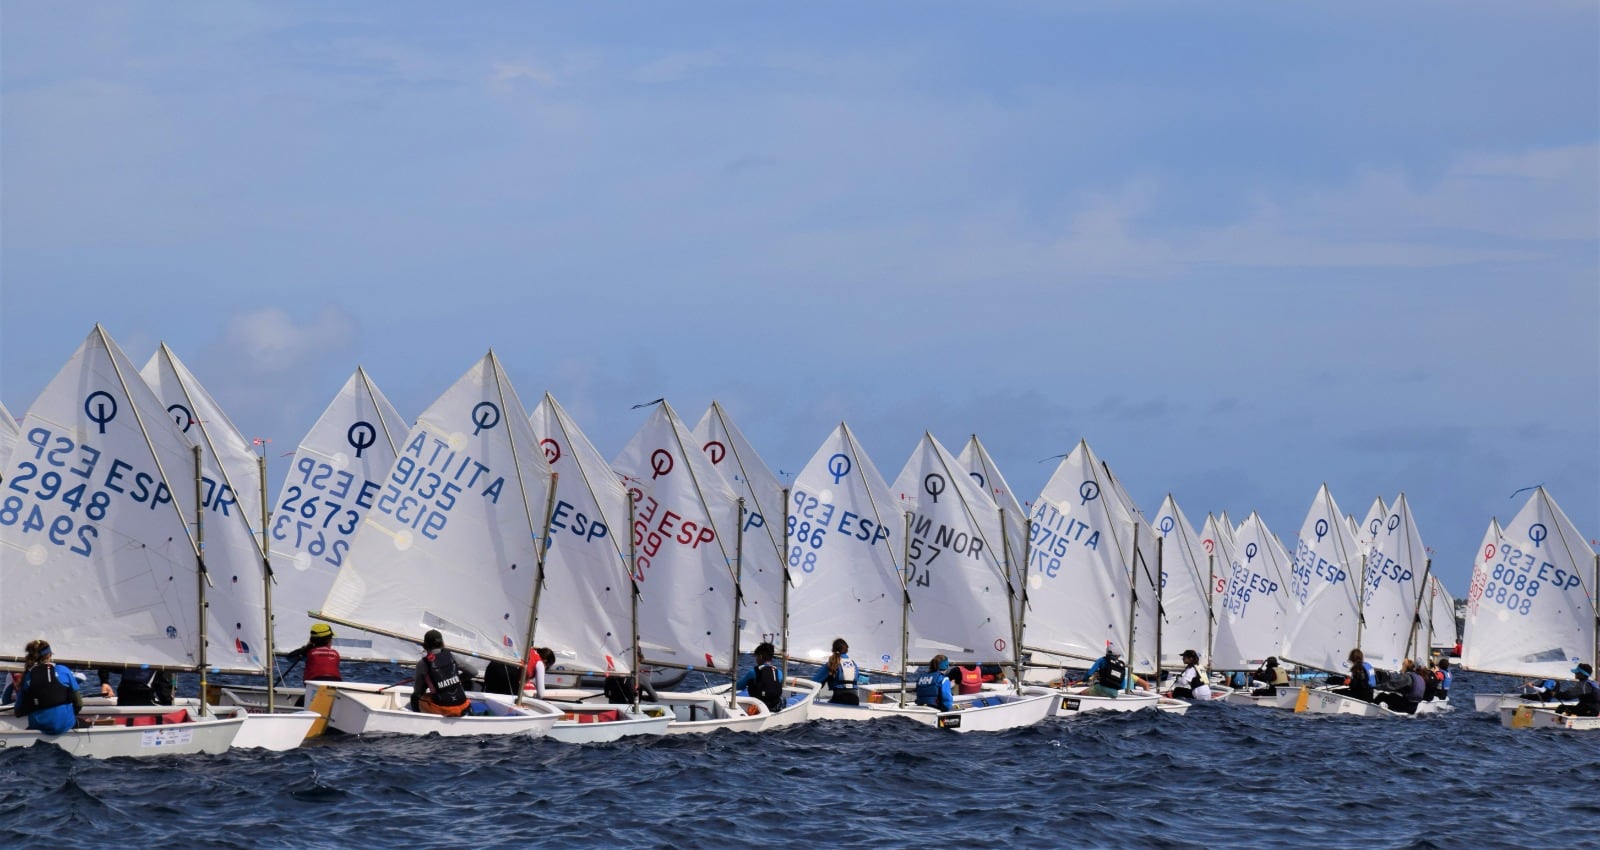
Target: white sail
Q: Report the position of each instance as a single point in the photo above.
(761, 574)
(1324, 589)
(586, 611)
(1186, 579)
(1146, 578)
(685, 518)
(335, 478)
(1082, 566)
(1441, 616)
(1218, 547)
(9, 434)
(95, 550)
(451, 542)
(1229, 530)
(1370, 527)
(846, 538)
(981, 467)
(236, 634)
(1395, 567)
(1530, 610)
(1253, 607)
(954, 574)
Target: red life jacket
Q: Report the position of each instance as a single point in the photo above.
(969, 680)
(322, 662)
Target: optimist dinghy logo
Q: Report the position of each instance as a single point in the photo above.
(181, 416)
(933, 485)
(484, 415)
(839, 466)
(660, 463)
(1537, 533)
(552, 449)
(1321, 528)
(1394, 523)
(978, 478)
(1250, 553)
(361, 436)
(1088, 491)
(100, 407)
(715, 450)
(1166, 525)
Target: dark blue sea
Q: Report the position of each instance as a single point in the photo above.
(1222, 776)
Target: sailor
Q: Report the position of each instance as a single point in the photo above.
(1445, 677)
(437, 687)
(1588, 694)
(933, 685)
(969, 678)
(1545, 690)
(1108, 674)
(1362, 678)
(840, 674)
(1192, 682)
(138, 685)
(322, 660)
(49, 694)
(765, 680)
(1271, 676)
(1408, 690)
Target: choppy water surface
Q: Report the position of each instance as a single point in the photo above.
(1220, 776)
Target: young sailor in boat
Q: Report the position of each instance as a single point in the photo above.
(49, 693)
(839, 674)
(1445, 676)
(438, 687)
(969, 678)
(1271, 677)
(765, 680)
(138, 685)
(1408, 690)
(1588, 694)
(1192, 681)
(502, 678)
(1362, 678)
(1545, 690)
(933, 686)
(322, 660)
(1108, 674)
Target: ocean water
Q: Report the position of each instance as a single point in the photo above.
(1222, 776)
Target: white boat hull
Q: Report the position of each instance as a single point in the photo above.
(284, 728)
(795, 711)
(586, 723)
(1284, 698)
(1492, 703)
(1325, 701)
(1529, 716)
(107, 737)
(1074, 701)
(363, 709)
(997, 711)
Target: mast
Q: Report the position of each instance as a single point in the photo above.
(1161, 611)
(633, 582)
(1211, 606)
(538, 581)
(1014, 603)
(266, 581)
(738, 603)
(784, 637)
(905, 614)
(1133, 608)
(201, 578)
(1416, 613)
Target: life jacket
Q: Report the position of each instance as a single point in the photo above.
(1416, 689)
(44, 689)
(767, 685)
(1444, 679)
(1112, 672)
(322, 663)
(930, 689)
(844, 679)
(441, 679)
(1190, 677)
(1372, 675)
(144, 687)
(969, 679)
(1280, 676)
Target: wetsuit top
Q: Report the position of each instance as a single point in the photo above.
(322, 663)
(140, 685)
(47, 697)
(1588, 698)
(765, 683)
(933, 689)
(842, 680)
(1360, 684)
(438, 677)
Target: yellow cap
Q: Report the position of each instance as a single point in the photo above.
(321, 630)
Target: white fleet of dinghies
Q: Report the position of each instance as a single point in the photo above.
(1531, 608)
(506, 533)
(95, 535)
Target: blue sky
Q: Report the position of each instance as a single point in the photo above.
(1241, 248)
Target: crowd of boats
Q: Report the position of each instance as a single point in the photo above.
(136, 532)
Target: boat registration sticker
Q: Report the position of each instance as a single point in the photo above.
(950, 723)
(1069, 704)
(164, 738)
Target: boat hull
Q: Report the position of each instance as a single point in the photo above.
(1285, 698)
(586, 723)
(1529, 716)
(133, 732)
(363, 709)
(1071, 702)
(1325, 701)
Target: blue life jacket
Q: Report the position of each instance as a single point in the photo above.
(1448, 675)
(930, 690)
(1372, 675)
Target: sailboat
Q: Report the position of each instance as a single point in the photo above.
(590, 619)
(1252, 606)
(1531, 608)
(846, 540)
(686, 547)
(1324, 621)
(235, 492)
(96, 553)
(1187, 579)
(1086, 575)
(453, 543)
(1394, 579)
(763, 574)
(959, 589)
(975, 459)
(336, 477)
(1442, 631)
